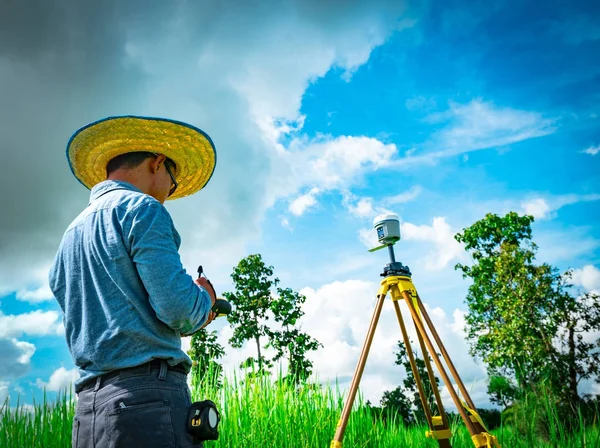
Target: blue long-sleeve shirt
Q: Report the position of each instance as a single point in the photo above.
(118, 278)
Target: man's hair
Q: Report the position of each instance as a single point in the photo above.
(132, 160)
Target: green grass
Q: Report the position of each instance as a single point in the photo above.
(41, 425)
(262, 414)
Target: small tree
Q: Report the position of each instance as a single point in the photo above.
(579, 317)
(502, 390)
(291, 342)
(406, 399)
(204, 351)
(396, 403)
(252, 300)
(254, 305)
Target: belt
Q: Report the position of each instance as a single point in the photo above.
(154, 364)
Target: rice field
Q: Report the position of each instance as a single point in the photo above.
(263, 413)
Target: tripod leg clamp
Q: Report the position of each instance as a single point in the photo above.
(438, 434)
(485, 440)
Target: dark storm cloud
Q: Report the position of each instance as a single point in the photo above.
(66, 63)
(59, 67)
(14, 358)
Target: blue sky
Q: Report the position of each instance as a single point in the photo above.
(323, 116)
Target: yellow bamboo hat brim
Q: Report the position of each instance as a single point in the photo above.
(91, 148)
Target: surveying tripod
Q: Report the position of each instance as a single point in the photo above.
(398, 283)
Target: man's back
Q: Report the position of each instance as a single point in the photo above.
(119, 281)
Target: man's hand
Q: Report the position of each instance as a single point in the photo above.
(207, 285)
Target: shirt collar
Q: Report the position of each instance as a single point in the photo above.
(110, 185)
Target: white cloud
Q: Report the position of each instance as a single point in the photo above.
(34, 323)
(365, 207)
(61, 379)
(35, 289)
(446, 248)
(538, 207)
(302, 203)
(3, 391)
(592, 150)
(15, 357)
(588, 277)
(544, 208)
(420, 103)
(345, 158)
(368, 237)
(41, 294)
(406, 196)
(286, 223)
(478, 125)
(553, 250)
(362, 208)
(326, 165)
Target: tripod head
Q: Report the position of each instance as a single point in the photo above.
(388, 233)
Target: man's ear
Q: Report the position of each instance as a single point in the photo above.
(155, 163)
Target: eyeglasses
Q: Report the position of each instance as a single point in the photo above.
(174, 187)
(173, 181)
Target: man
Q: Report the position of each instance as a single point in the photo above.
(119, 280)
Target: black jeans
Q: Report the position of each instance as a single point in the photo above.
(144, 406)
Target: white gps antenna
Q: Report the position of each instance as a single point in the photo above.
(388, 230)
(387, 227)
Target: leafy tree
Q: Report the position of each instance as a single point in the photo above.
(406, 399)
(291, 342)
(204, 351)
(502, 390)
(254, 304)
(252, 300)
(395, 402)
(580, 317)
(522, 320)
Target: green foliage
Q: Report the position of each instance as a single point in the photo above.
(502, 390)
(523, 322)
(579, 358)
(42, 425)
(251, 301)
(395, 404)
(491, 417)
(542, 416)
(291, 342)
(204, 351)
(262, 413)
(405, 400)
(254, 304)
(510, 300)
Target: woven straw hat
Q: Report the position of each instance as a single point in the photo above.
(91, 148)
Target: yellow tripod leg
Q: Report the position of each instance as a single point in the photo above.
(421, 329)
(438, 426)
(341, 427)
(480, 437)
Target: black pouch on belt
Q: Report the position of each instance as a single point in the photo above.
(203, 420)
